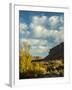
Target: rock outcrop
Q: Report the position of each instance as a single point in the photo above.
(56, 53)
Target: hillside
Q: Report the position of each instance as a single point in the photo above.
(55, 53)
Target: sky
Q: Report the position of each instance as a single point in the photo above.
(41, 30)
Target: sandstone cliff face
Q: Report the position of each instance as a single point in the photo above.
(56, 53)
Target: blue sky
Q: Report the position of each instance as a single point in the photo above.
(42, 30)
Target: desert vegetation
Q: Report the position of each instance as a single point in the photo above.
(28, 69)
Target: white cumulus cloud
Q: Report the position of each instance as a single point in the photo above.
(37, 45)
(23, 26)
(24, 29)
(40, 32)
(35, 42)
(39, 20)
(53, 20)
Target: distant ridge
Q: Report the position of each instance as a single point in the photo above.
(56, 53)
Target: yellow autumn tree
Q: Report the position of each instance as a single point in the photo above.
(25, 65)
(25, 58)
